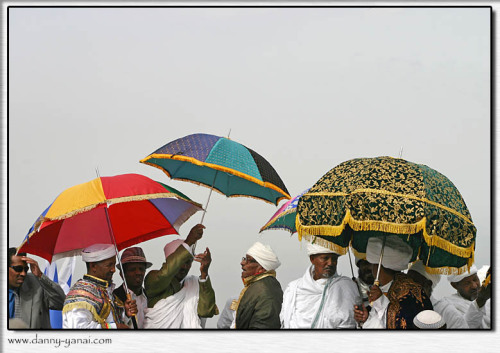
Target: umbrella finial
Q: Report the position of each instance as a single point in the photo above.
(229, 133)
(401, 152)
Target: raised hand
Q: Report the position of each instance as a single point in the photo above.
(35, 269)
(205, 259)
(195, 234)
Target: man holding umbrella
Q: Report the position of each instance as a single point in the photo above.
(397, 299)
(90, 303)
(133, 269)
(176, 300)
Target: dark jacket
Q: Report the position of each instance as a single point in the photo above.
(260, 306)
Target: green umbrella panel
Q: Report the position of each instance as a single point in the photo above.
(368, 197)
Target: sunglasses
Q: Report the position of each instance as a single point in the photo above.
(20, 268)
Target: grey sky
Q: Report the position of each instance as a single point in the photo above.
(307, 88)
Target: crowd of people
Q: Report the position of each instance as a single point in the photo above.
(381, 297)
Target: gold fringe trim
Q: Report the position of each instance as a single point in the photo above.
(326, 244)
(436, 241)
(385, 192)
(216, 167)
(109, 202)
(334, 231)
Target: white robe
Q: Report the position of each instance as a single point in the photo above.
(83, 318)
(227, 316)
(303, 297)
(377, 319)
(461, 313)
(179, 310)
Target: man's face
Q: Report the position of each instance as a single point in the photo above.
(325, 265)
(422, 280)
(104, 269)
(468, 287)
(365, 271)
(250, 267)
(134, 273)
(184, 270)
(16, 279)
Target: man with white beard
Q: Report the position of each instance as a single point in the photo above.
(321, 298)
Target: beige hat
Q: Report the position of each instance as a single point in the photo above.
(172, 246)
(98, 252)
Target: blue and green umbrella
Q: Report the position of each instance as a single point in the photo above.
(222, 164)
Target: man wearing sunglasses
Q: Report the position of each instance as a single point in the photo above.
(31, 295)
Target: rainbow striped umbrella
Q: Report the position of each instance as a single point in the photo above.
(284, 218)
(130, 207)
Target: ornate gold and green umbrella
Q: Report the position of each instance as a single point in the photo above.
(367, 197)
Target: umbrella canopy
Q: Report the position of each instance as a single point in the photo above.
(284, 218)
(138, 209)
(222, 164)
(368, 197)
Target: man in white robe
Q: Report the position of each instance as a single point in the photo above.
(90, 303)
(469, 307)
(320, 298)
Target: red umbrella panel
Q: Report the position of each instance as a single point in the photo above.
(132, 207)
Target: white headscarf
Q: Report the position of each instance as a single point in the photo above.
(458, 278)
(265, 256)
(313, 249)
(98, 252)
(418, 266)
(397, 254)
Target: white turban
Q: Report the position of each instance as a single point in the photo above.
(458, 278)
(313, 249)
(397, 254)
(98, 252)
(418, 266)
(172, 246)
(428, 319)
(265, 256)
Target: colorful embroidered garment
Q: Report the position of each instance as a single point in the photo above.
(91, 293)
(407, 299)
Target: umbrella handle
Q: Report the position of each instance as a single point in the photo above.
(134, 319)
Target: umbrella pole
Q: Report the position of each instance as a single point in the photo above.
(206, 206)
(357, 286)
(377, 282)
(134, 320)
